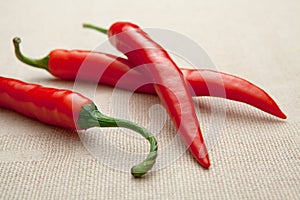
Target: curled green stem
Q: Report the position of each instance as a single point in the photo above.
(90, 116)
(90, 26)
(39, 63)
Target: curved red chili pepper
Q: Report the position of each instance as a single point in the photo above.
(169, 85)
(66, 65)
(67, 109)
(236, 89)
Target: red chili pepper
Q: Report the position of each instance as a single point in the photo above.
(66, 65)
(68, 109)
(169, 85)
(236, 89)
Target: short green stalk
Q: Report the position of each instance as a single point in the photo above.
(39, 63)
(90, 26)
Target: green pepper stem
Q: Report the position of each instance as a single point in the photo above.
(90, 116)
(39, 63)
(102, 30)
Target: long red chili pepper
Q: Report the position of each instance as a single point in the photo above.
(66, 65)
(170, 84)
(68, 109)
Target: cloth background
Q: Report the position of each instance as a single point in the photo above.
(256, 156)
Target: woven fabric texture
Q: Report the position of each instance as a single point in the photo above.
(255, 156)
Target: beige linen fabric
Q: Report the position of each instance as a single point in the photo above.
(257, 156)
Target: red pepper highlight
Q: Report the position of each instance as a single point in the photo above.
(66, 65)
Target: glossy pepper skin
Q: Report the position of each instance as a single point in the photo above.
(66, 65)
(170, 85)
(49, 105)
(67, 109)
